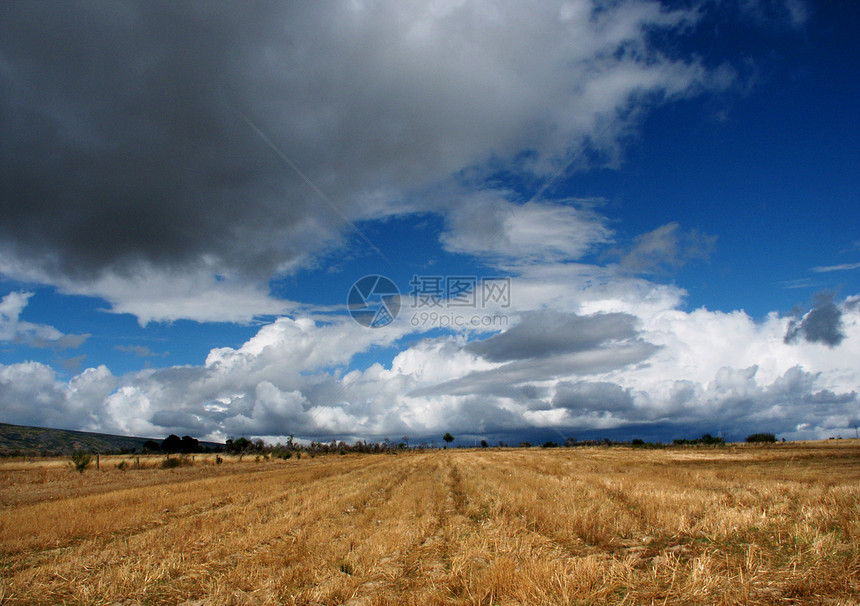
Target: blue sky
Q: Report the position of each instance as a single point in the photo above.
(669, 189)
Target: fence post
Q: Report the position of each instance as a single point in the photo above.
(97, 462)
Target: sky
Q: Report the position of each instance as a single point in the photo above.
(375, 219)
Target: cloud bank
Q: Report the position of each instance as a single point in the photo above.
(138, 175)
(174, 158)
(562, 370)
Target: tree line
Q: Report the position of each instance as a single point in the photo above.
(173, 444)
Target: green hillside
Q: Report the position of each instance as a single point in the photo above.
(24, 440)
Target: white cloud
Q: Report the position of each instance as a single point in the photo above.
(718, 371)
(842, 267)
(159, 296)
(203, 293)
(15, 330)
(32, 395)
(490, 226)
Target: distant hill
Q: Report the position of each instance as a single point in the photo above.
(24, 440)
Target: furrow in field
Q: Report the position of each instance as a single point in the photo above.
(197, 538)
(552, 526)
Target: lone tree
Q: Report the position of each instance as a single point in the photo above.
(171, 444)
(189, 445)
(151, 446)
(239, 447)
(448, 438)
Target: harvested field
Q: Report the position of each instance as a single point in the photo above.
(736, 525)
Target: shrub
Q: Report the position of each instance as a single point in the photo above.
(122, 465)
(218, 459)
(711, 440)
(706, 439)
(80, 460)
(761, 438)
(169, 463)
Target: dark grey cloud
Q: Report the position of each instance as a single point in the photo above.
(61, 343)
(821, 324)
(545, 333)
(477, 415)
(180, 422)
(127, 149)
(586, 396)
(545, 345)
(73, 365)
(504, 380)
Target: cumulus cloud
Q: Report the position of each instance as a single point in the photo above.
(33, 395)
(723, 372)
(585, 396)
(135, 164)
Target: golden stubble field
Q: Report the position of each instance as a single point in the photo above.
(736, 525)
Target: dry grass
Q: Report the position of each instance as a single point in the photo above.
(776, 525)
